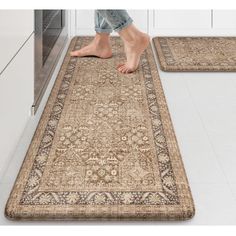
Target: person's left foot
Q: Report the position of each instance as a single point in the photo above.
(99, 47)
(133, 52)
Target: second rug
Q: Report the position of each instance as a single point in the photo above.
(196, 53)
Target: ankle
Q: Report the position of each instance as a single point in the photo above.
(102, 38)
(131, 35)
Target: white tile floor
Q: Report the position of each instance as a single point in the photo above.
(203, 111)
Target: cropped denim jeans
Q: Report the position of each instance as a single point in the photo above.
(108, 20)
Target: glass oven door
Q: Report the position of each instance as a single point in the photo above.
(51, 34)
(53, 23)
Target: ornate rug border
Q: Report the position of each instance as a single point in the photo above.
(183, 211)
(166, 53)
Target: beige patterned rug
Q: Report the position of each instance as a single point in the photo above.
(104, 148)
(196, 53)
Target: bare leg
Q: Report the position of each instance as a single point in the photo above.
(99, 47)
(135, 42)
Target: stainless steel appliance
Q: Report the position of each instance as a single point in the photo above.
(51, 33)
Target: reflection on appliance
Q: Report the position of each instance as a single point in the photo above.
(50, 38)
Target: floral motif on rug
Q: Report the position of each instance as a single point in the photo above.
(104, 147)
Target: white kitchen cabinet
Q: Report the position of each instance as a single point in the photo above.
(182, 19)
(140, 18)
(169, 22)
(85, 20)
(15, 28)
(16, 99)
(224, 19)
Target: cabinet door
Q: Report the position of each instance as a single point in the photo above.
(15, 27)
(85, 20)
(224, 19)
(16, 99)
(181, 19)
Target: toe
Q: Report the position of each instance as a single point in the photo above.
(121, 68)
(126, 70)
(130, 70)
(73, 53)
(119, 65)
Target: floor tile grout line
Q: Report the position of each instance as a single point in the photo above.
(203, 126)
(209, 139)
(40, 223)
(161, 78)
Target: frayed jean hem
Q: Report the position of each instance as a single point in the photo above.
(99, 30)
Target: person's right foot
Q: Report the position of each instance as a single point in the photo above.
(133, 52)
(99, 47)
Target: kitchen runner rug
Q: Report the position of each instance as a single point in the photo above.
(196, 53)
(104, 148)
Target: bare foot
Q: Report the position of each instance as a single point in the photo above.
(133, 51)
(99, 47)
